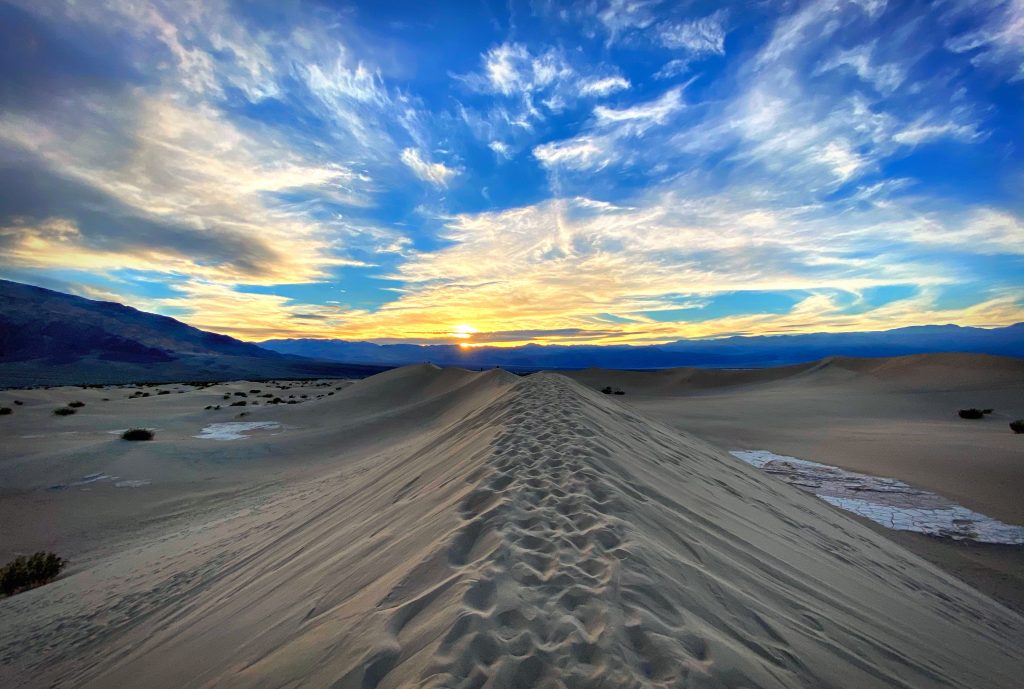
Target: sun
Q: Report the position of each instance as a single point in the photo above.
(463, 331)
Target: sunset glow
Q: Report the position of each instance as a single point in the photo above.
(604, 172)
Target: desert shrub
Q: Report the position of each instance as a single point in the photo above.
(239, 403)
(1017, 426)
(987, 411)
(971, 413)
(254, 392)
(276, 400)
(607, 389)
(18, 402)
(23, 573)
(137, 434)
(76, 404)
(241, 394)
(63, 411)
(618, 392)
(4, 411)
(164, 392)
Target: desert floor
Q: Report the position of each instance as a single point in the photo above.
(444, 528)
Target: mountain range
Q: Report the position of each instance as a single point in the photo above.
(48, 337)
(729, 352)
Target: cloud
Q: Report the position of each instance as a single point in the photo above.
(885, 77)
(437, 174)
(643, 114)
(619, 16)
(602, 86)
(511, 69)
(500, 148)
(697, 37)
(998, 41)
(925, 129)
(603, 144)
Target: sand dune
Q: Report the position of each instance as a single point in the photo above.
(448, 529)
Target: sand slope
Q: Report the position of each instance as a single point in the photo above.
(513, 533)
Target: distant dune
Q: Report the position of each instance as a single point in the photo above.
(442, 528)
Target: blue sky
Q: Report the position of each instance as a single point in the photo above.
(602, 171)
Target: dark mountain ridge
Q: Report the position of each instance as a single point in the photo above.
(48, 337)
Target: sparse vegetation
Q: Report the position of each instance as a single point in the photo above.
(76, 404)
(137, 434)
(240, 403)
(164, 392)
(4, 411)
(23, 573)
(1017, 426)
(971, 413)
(63, 411)
(18, 402)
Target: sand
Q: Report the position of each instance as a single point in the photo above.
(891, 417)
(442, 528)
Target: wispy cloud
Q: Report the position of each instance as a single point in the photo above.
(437, 174)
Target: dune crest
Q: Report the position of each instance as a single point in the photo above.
(543, 536)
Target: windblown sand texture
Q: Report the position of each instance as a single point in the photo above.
(448, 529)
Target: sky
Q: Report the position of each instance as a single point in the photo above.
(599, 172)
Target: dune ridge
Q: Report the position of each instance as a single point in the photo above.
(539, 535)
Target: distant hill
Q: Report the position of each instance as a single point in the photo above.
(49, 337)
(730, 352)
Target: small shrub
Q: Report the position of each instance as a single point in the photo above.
(241, 394)
(987, 411)
(18, 402)
(607, 389)
(240, 403)
(618, 392)
(64, 411)
(23, 573)
(254, 392)
(1017, 426)
(76, 404)
(4, 411)
(164, 392)
(137, 434)
(971, 413)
